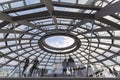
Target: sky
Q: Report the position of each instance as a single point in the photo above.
(59, 41)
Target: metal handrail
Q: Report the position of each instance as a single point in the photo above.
(13, 71)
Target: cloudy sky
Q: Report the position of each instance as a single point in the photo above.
(59, 41)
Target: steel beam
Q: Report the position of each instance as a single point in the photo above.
(108, 10)
(49, 6)
(77, 6)
(6, 17)
(58, 14)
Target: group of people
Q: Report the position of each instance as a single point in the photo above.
(34, 68)
(68, 64)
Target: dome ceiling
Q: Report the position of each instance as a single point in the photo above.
(94, 25)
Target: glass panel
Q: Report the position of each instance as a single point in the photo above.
(115, 49)
(107, 54)
(105, 40)
(5, 50)
(66, 9)
(26, 55)
(1, 9)
(12, 55)
(82, 1)
(100, 57)
(31, 11)
(117, 33)
(100, 51)
(13, 14)
(112, 19)
(17, 4)
(54, 0)
(2, 44)
(68, 1)
(2, 1)
(108, 62)
(13, 63)
(5, 7)
(11, 35)
(103, 33)
(29, 2)
(94, 54)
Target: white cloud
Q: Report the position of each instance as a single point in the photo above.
(60, 41)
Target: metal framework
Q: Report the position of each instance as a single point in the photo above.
(33, 20)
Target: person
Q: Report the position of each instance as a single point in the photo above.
(64, 64)
(42, 72)
(71, 63)
(115, 72)
(35, 66)
(75, 69)
(25, 66)
(110, 70)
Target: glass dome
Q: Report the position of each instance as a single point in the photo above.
(93, 24)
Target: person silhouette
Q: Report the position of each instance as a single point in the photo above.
(35, 66)
(64, 64)
(25, 66)
(71, 63)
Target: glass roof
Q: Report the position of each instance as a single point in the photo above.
(96, 23)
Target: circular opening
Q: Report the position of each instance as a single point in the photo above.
(59, 41)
